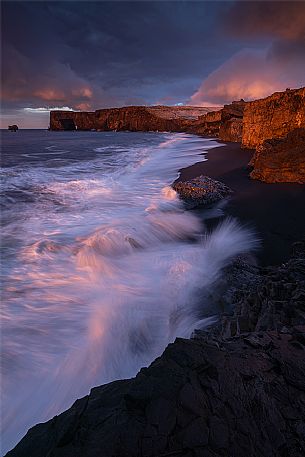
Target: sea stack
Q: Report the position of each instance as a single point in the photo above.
(13, 128)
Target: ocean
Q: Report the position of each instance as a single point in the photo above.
(101, 265)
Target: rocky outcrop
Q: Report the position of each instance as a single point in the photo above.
(236, 389)
(201, 191)
(226, 123)
(281, 160)
(13, 128)
(207, 124)
(72, 120)
(257, 124)
(273, 117)
(231, 125)
(132, 118)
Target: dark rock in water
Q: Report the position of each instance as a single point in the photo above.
(271, 298)
(235, 390)
(201, 191)
(13, 128)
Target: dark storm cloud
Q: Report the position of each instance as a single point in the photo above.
(284, 19)
(89, 55)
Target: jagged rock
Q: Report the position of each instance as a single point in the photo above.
(201, 191)
(271, 298)
(219, 394)
(281, 160)
(225, 123)
(199, 399)
(208, 124)
(273, 117)
(231, 126)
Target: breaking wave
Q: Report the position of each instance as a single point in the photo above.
(103, 267)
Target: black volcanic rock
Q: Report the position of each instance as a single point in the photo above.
(237, 389)
(13, 128)
(201, 191)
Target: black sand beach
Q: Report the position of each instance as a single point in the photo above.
(275, 211)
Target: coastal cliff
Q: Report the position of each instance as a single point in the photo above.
(225, 123)
(183, 404)
(132, 118)
(255, 124)
(281, 160)
(273, 117)
(275, 127)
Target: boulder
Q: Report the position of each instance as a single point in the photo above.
(201, 191)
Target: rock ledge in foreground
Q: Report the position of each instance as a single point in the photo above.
(201, 191)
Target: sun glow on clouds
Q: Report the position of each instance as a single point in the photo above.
(250, 74)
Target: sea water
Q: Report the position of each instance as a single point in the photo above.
(101, 264)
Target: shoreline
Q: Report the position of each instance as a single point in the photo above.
(261, 326)
(274, 211)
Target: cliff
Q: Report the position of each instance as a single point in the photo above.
(236, 389)
(226, 123)
(133, 118)
(254, 124)
(281, 160)
(273, 117)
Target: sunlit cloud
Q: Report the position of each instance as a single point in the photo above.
(49, 94)
(84, 92)
(250, 74)
(83, 107)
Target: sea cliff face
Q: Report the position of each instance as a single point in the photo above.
(226, 123)
(273, 117)
(133, 118)
(281, 160)
(275, 127)
(255, 124)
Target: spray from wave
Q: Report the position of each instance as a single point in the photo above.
(106, 279)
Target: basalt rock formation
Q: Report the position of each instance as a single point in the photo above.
(237, 389)
(281, 160)
(201, 191)
(132, 118)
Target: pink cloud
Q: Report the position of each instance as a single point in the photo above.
(50, 94)
(250, 74)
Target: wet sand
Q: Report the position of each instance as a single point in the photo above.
(275, 211)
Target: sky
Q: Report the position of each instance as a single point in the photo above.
(90, 55)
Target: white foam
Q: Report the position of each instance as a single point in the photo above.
(104, 276)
